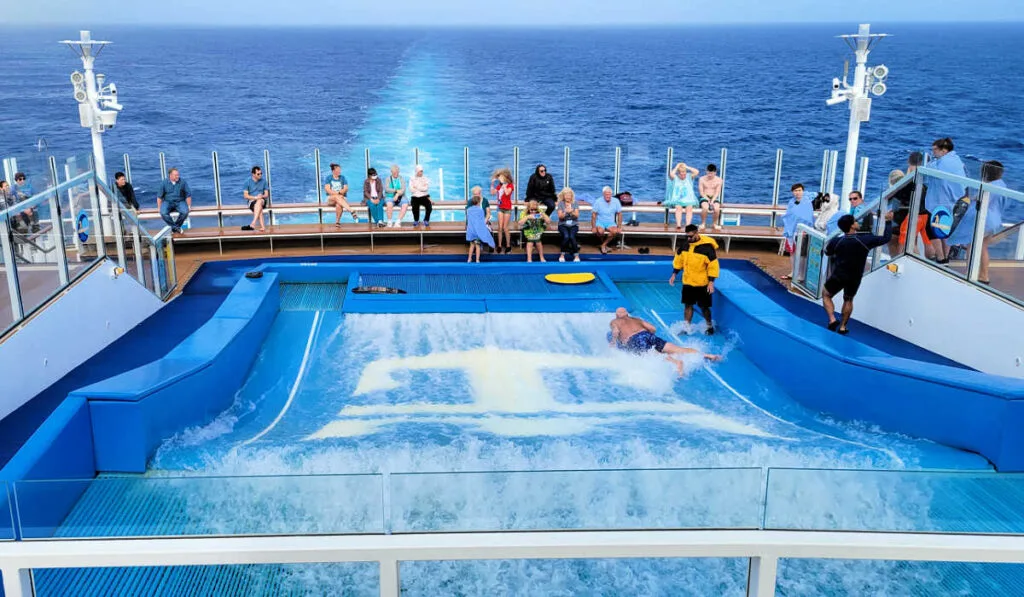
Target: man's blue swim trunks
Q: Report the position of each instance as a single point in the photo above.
(641, 342)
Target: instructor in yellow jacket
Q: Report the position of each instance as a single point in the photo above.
(698, 260)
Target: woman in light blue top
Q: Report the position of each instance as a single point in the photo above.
(944, 193)
(680, 193)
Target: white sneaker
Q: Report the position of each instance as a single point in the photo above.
(561, 258)
(576, 259)
(398, 224)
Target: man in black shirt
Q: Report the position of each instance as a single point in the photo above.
(849, 254)
(126, 190)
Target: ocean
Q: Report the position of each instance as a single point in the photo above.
(750, 89)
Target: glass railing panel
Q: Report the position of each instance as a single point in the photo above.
(190, 506)
(293, 181)
(894, 501)
(34, 243)
(949, 200)
(79, 227)
(577, 500)
(1001, 264)
(36, 168)
(642, 173)
(750, 178)
(6, 513)
(166, 276)
(350, 579)
(897, 198)
(149, 275)
(591, 168)
(678, 577)
(7, 318)
(132, 233)
(849, 578)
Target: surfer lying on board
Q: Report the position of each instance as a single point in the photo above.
(635, 335)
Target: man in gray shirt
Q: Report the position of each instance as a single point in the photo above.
(174, 195)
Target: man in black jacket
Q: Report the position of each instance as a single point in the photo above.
(541, 188)
(125, 189)
(849, 255)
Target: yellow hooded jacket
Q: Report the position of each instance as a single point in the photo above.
(698, 261)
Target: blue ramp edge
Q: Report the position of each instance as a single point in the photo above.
(839, 375)
(135, 411)
(813, 313)
(151, 339)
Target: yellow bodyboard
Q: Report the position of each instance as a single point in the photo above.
(582, 278)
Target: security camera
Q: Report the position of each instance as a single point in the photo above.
(881, 71)
(835, 84)
(77, 78)
(878, 89)
(113, 90)
(80, 96)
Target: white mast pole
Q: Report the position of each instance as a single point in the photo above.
(88, 60)
(857, 99)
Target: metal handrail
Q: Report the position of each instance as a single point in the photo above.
(763, 548)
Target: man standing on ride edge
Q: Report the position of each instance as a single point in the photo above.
(699, 262)
(848, 253)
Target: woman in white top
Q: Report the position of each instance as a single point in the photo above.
(419, 190)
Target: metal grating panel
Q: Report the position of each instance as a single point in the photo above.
(480, 284)
(656, 296)
(312, 297)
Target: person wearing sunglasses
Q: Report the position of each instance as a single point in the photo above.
(541, 188)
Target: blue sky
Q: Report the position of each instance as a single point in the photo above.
(512, 13)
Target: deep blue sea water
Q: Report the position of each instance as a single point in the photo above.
(752, 89)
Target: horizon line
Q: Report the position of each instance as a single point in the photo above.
(493, 27)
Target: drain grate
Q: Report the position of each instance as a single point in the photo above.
(312, 297)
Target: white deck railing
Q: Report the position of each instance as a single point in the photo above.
(763, 548)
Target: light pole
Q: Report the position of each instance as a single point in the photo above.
(97, 104)
(858, 94)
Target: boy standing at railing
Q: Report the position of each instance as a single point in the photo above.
(798, 212)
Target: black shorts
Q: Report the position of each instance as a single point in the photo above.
(898, 216)
(252, 205)
(849, 287)
(696, 295)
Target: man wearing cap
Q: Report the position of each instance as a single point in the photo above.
(698, 260)
(849, 254)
